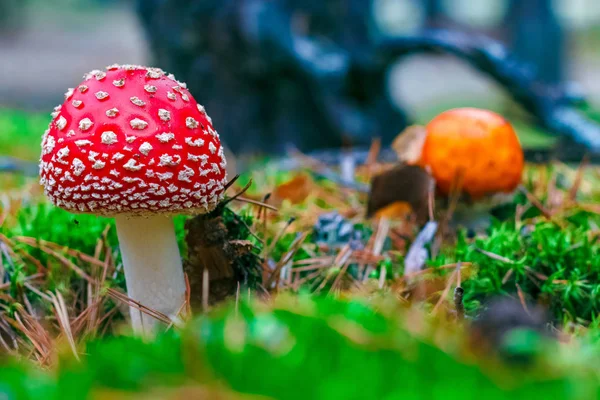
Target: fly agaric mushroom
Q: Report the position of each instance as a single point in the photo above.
(132, 143)
(480, 145)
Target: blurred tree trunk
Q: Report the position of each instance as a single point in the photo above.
(535, 36)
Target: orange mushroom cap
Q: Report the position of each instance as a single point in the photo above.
(478, 144)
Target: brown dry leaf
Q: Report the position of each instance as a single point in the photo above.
(408, 145)
(395, 210)
(403, 183)
(295, 190)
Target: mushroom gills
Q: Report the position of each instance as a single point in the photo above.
(153, 267)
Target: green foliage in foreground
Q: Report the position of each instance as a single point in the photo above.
(305, 348)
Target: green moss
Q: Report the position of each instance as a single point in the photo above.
(552, 264)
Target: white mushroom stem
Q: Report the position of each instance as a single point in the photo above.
(152, 266)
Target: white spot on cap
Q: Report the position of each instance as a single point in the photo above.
(119, 82)
(118, 156)
(169, 160)
(71, 133)
(186, 174)
(201, 108)
(85, 124)
(137, 123)
(109, 137)
(149, 173)
(69, 93)
(172, 188)
(137, 101)
(164, 115)
(154, 73)
(56, 112)
(191, 123)
(111, 113)
(203, 158)
(101, 95)
(185, 97)
(215, 168)
(49, 144)
(165, 176)
(194, 143)
(99, 75)
(113, 67)
(98, 164)
(62, 153)
(150, 88)
(130, 139)
(212, 147)
(165, 137)
(177, 147)
(82, 142)
(83, 88)
(76, 103)
(132, 165)
(171, 96)
(61, 123)
(145, 148)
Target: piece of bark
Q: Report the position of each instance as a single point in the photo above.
(217, 242)
(402, 183)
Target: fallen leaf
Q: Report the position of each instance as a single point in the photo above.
(408, 145)
(395, 210)
(295, 190)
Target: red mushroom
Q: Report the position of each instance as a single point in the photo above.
(132, 143)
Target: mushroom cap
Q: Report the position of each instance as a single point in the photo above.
(132, 140)
(478, 143)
